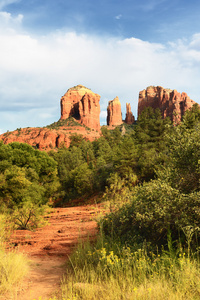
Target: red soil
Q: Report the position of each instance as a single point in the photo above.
(48, 248)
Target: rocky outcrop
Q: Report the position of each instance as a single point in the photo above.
(82, 104)
(48, 138)
(114, 114)
(129, 116)
(79, 103)
(171, 103)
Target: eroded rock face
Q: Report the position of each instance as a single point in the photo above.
(129, 116)
(48, 138)
(114, 114)
(82, 104)
(171, 103)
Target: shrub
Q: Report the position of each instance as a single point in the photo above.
(155, 209)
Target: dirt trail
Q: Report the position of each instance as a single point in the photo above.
(48, 247)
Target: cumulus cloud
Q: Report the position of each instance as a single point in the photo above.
(36, 71)
(8, 23)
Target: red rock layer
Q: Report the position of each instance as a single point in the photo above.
(114, 114)
(171, 103)
(129, 116)
(82, 104)
(46, 138)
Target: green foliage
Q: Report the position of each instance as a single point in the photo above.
(83, 179)
(76, 140)
(69, 122)
(151, 127)
(118, 191)
(150, 134)
(191, 116)
(28, 181)
(182, 167)
(155, 208)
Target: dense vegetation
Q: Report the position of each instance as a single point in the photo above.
(150, 174)
(28, 181)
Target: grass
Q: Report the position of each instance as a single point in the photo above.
(107, 270)
(98, 273)
(13, 265)
(111, 272)
(13, 268)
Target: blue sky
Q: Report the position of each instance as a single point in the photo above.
(116, 48)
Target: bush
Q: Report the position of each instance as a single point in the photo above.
(155, 209)
(182, 168)
(28, 180)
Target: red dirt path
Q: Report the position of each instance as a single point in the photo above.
(48, 248)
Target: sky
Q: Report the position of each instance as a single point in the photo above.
(115, 48)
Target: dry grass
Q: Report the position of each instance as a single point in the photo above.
(13, 265)
(101, 274)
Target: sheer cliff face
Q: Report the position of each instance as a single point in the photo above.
(114, 114)
(82, 104)
(171, 103)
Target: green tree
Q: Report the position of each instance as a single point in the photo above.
(150, 134)
(182, 169)
(191, 117)
(28, 180)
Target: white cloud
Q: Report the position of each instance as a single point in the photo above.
(8, 23)
(36, 71)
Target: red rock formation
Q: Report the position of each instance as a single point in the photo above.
(114, 114)
(48, 138)
(171, 103)
(82, 104)
(79, 102)
(129, 116)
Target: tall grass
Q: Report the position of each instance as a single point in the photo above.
(110, 272)
(13, 266)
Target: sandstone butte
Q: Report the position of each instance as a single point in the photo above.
(80, 114)
(82, 104)
(171, 103)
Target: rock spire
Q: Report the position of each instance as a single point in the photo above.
(114, 114)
